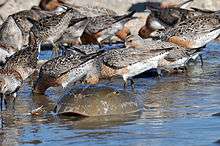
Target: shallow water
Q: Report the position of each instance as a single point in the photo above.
(175, 110)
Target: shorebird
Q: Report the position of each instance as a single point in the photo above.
(125, 62)
(50, 29)
(129, 62)
(14, 33)
(168, 17)
(10, 34)
(95, 11)
(72, 34)
(18, 67)
(152, 24)
(176, 58)
(89, 11)
(102, 15)
(10, 39)
(62, 70)
(194, 32)
(104, 27)
(21, 19)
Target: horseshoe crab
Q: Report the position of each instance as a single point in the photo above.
(96, 101)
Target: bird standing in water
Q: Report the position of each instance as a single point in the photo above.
(17, 68)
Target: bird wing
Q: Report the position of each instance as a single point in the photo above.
(120, 58)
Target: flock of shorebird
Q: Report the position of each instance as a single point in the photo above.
(171, 37)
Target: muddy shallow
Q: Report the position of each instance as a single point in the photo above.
(174, 110)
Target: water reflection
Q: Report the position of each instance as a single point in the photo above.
(162, 97)
(97, 122)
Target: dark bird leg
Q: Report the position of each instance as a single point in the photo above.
(201, 59)
(125, 84)
(185, 68)
(1, 100)
(13, 104)
(6, 103)
(132, 84)
(100, 46)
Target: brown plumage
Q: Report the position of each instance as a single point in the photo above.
(62, 70)
(177, 57)
(18, 67)
(103, 27)
(195, 32)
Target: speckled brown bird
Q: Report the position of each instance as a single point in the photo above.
(104, 27)
(62, 70)
(18, 67)
(168, 17)
(194, 32)
(176, 58)
(129, 62)
(50, 29)
(10, 34)
(94, 11)
(125, 62)
(14, 33)
(21, 19)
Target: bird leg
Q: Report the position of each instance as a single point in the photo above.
(100, 45)
(132, 83)
(201, 59)
(6, 103)
(55, 50)
(125, 84)
(13, 102)
(1, 101)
